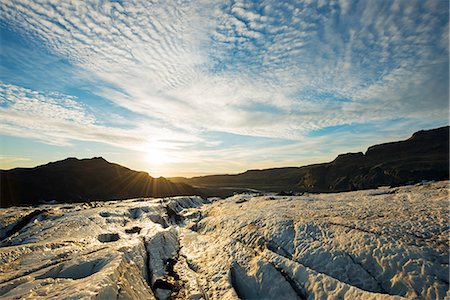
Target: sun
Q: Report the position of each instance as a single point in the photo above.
(156, 156)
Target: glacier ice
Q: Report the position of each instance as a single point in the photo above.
(388, 243)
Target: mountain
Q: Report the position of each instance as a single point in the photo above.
(424, 156)
(78, 180)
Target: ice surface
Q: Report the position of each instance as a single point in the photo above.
(377, 244)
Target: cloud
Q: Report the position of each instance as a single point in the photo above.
(9, 159)
(268, 69)
(155, 52)
(58, 119)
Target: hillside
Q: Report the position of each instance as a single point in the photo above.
(424, 156)
(77, 180)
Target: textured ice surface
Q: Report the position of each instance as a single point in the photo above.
(376, 244)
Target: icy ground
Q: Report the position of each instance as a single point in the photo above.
(374, 244)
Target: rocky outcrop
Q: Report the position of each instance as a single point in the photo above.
(424, 156)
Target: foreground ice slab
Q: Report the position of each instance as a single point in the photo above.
(388, 243)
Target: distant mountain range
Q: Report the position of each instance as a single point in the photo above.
(78, 180)
(424, 156)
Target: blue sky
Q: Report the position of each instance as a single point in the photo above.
(204, 87)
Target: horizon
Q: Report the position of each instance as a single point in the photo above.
(236, 173)
(203, 88)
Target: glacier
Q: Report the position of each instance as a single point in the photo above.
(385, 243)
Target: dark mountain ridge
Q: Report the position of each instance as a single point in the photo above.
(424, 156)
(79, 180)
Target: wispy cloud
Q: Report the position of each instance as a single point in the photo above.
(269, 69)
(58, 119)
(6, 161)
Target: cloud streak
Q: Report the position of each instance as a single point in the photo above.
(58, 119)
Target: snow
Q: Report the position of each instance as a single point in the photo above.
(387, 243)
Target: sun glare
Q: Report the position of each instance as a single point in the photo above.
(156, 157)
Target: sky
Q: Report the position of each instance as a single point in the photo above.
(186, 88)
